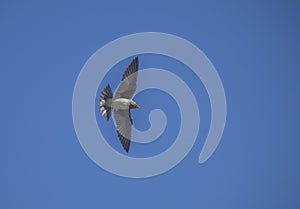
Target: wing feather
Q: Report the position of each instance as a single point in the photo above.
(124, 127)
(128, 84)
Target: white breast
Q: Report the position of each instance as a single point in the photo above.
(120, 104)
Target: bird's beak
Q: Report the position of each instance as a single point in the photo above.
(134, 105)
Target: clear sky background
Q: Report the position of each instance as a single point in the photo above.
(254, 46)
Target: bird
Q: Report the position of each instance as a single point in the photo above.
(122, 103)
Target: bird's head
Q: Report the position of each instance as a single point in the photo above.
(133, 104)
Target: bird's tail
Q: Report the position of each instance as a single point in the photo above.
(105, 96)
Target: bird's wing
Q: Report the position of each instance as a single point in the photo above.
(128, 84)
(124, 122)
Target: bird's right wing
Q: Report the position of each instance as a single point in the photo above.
(128, 84)
(123, 122)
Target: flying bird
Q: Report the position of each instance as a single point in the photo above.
(121, 103)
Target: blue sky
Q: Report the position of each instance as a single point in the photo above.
(253, 45)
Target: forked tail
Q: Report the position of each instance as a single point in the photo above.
(105, 96)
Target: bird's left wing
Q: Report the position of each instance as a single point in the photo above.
(128, 84)
(123, 122)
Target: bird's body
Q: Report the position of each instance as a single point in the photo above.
(121, 103)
